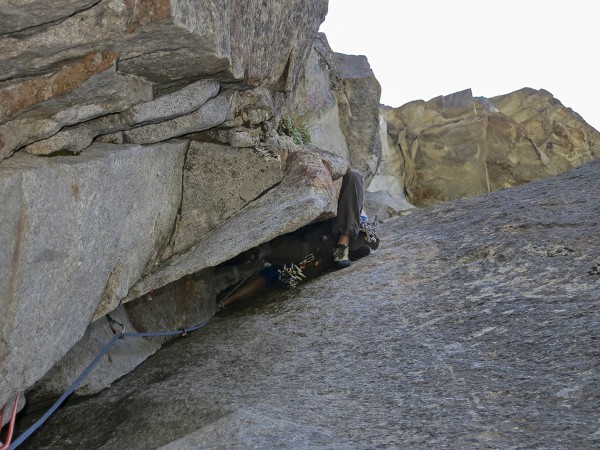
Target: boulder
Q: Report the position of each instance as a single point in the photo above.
(163, 108)
(305, 194)
(359, 112)
(91, 222)
(172, 104)
(72, 245)
(219, 181)
(175, 40)
(210, 114)
(315, 104)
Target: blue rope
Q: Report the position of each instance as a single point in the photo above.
(88, 369)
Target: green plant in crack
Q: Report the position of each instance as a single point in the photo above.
(296, 123)
(297, 131)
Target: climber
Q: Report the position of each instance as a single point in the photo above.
(314, 248)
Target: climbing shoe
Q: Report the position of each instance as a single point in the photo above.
(341, 259)
(360, 252)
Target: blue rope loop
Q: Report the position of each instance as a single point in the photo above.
(183, 331)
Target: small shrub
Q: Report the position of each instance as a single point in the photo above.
(296, 123)
(298, 132)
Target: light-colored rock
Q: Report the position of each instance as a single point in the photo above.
(76, 138)
(218, 181)
(556, 130)
(245, 138)
(381, 206)
(305, 194)
(315, 103)
(184, 303)
(358, 103)
(454, 148)
(210, 114)
(389, 173)
(168, 106)
(69, 240)
(154, 39)
(337, 165)
(83, 229)
(124, 357)
(337, 100)
(278, 57)
(170, 40)
(100, 94)
(385, 196)
(235, 137)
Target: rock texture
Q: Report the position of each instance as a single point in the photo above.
(72, 245)
(337, 100)
(474, 325)
(357, 112)
(138, 154)
(457, 145)
(385, 197)
(105, 109)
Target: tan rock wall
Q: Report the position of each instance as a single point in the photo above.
(459, 146)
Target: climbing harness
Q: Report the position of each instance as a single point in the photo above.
(11, 423)
(183, 331)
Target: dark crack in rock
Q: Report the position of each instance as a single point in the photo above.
(475, 325)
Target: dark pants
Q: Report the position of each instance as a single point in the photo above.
(350, 204)
(321, 237)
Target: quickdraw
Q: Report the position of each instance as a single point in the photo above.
(291, 275)
(370, 232)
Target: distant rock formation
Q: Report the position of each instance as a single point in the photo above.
(474, 325)
(458, 146)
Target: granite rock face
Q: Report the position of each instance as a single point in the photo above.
(98, 94)
(358, 115)
(72, 245)
(457, 145)
(219, 181)
(337, 100)
(473, 325)
(385, 197)
(104, 106)
(305, 194)
(90, 59)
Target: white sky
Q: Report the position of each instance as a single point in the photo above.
(420, 49)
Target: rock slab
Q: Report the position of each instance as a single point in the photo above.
(475, 325)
